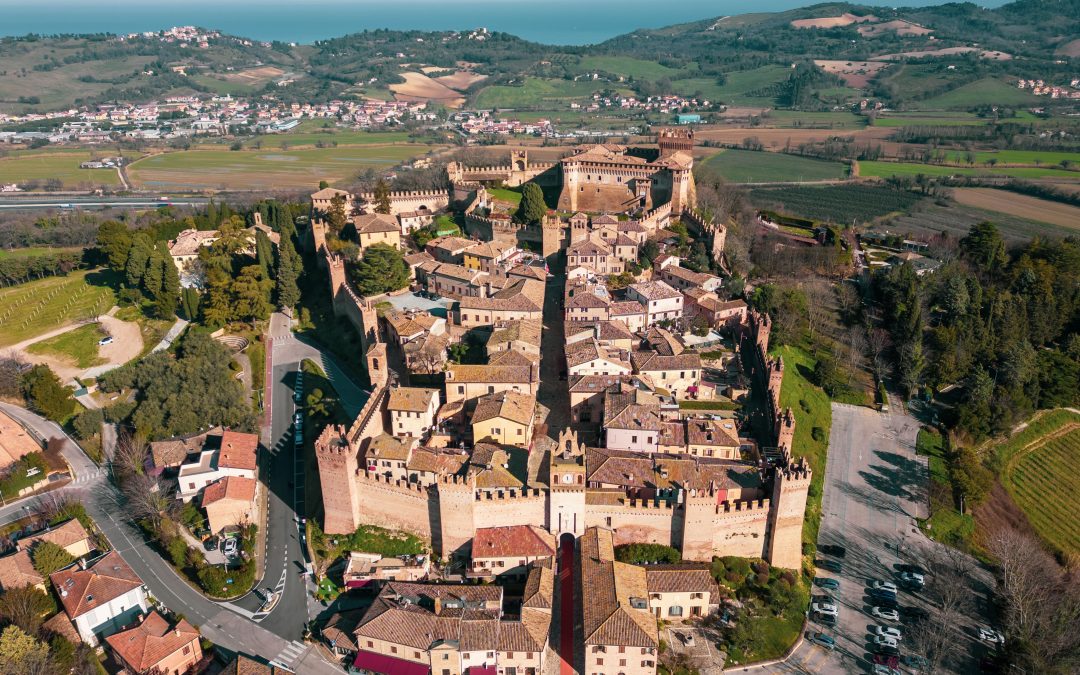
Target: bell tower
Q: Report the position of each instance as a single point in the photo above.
(566, 504)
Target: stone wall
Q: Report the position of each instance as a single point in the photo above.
(790, 489)
(393, 504)
(645, 521)
(405, 202)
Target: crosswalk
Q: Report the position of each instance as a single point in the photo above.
(88, 477)
(290, 653)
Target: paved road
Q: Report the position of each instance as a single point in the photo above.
(40, 203)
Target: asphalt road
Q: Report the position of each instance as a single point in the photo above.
(39, 203)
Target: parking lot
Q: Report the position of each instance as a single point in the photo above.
(407, 301)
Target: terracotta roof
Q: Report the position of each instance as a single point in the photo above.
(588, 247)
(486, 250)
(528, 634)
(385, 446)
(449, 244)
(640, 416)
(328, 193)
(524, 330)
(522, 295)
(67, 533)
(414, 259)
(655, 290)
(529, 272)
(712, 432)
(595, 383)
(585, 297)
(60, 624)
(649, 361)
(406, 614)
(539, 586)
(412, 399)
(673, 434)
(173, 451)
(681, 578)
(489, 466)
(106, 579)
(512, 357)
(455, 272)
(17, 570)
(15, 441)
(339, 629)
(489, 374)
(375, 222)
(603, 330)
(189, 242)
(244, 665)
(146, 645)
(614, 596)
(236, 488)
(444, 462)
(238, 450)
(510, 405)
(626, 308)
(512, 541)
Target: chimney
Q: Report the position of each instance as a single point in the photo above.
(438, 605)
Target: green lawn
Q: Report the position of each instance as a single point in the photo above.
(40, 306)
(35, 251)
(1027, 157)
(626, 66)
(264, 169)
(220, 86)
(80, 345)
(536, 93)
(986, 91)
(506, 195)
(745, 166)
(884, 169)
(945, 523)
(20, 167)
(814, 120)
(813, 410)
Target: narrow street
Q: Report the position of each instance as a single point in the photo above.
(553, 390)
(565, 581)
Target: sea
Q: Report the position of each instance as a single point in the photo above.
(554, 22)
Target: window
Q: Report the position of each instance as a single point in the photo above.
(393, 650)
(599, 662)
(370, 644)
(675, 610)
(461, 389)
(416, 655)
(187, 649)
(496, 430)
(491, 389)
(521, 432)
(509, 655)
(191, 486)
(622, 650)
(633, 439)
(622, 662)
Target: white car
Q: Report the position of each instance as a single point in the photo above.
(230, 547)
(884, 586)
(821, 608)
(990, 635)
(913, 578)
(885, 613)
(886, 641)
(888, 631)
(107, 340)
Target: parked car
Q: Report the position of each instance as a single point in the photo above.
(231, 546)
(107, 340)
(831, 565)
(912, 614)
(915, 661)
(913, 569)
(882, 594)
(826, 582)
(833, 549)
(826, 619)
(211, 544)
(879, 585)
(298, 418)
(888, 631)
(885, 613)
(824, 640)
(822, 608)
(886, 645)
(912, 580)
(990, 635)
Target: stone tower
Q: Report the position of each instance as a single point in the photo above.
(673, 139)
(786, 516)
(519, 160)
(566, 503)
(699, 524)
(456, 499)
(337, 461)
(378, 368)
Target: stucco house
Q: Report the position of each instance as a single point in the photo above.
(229, 502)
(681, 591)
(102, 598)
(412, 410)
(156, 646)
(237, 456)
(69, 535)
(504, 417)
(377, 228)
(509, 550)
(661, 301)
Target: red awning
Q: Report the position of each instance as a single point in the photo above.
(482, 670)
(357, 583)
(389, 665)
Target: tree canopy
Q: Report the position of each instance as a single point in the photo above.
(46, 395)
(532, 208)
(381, 269)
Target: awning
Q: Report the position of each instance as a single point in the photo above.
(388, 665)
(482, 670)
(358, 583)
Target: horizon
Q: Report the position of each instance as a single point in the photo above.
(279, 20)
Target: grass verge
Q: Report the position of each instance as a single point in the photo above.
(79, 345)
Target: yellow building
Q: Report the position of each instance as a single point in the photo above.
(505, 417)
(377, 228)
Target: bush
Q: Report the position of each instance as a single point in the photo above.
(178, 550)
(87, 424)
(639, 554)
(46, 395)
(49, 557)
(818, 434)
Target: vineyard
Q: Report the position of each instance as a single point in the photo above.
(1039, 474)
(40, 306)
(836, 203)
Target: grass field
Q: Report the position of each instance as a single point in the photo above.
(945, 524)
(1020, 157)
(626, 66)
(886, 169)
(744, 166)
(537, 93)
(1037, 473)
(986, 91)
(20, 167)
(300, 137)
(505, 195)
(813, 410)
(79, 345)
(39, 306)
(955, 119)
(264, 169)
(1023, 206)
(846, 203)
(814, 120)
(36, 251)
(221, 86)
(738, 88)
(956, 220)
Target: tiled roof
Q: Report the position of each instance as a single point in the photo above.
(60, 624)
(439, 461)
(340, 627)
(238, 450)
(81, 591)
(461, 373)
(539, 590)
(512, 541)
(406, 614)
(649, 361)
(486, 250)
(524, 330)
(655, 290)
(244, 665)
(712, 432)
(63, 535)
(627, 308)
(583, 297)
(449, 244)
(385, 446)
(673, 434)
(375, 222)
(17, 570)
(411, 399)
(455, 272)
(610, 590)
(512, 357)
(588, 247)
(236, 488)
(528, 634)
(414, 259)
(595, 383)
(639, 416)
(328, 193)
(146, 645)
(489, 465)
(173, 451)
(681, 578)
(510, 405)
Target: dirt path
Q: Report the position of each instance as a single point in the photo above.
(127, 344)
(127, 341)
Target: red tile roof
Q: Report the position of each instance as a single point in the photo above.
(83, 590)
(152, 641)
(238, 450)
(512, 541)
(229, 487)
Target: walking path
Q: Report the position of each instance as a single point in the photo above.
(170, 337)
(566, 608)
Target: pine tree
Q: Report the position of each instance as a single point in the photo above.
(336, 217)
(170, 289)
(151, 280)
(264, 252)
(289, 266)
(138, 256)
(382, 197)
(532, 208)
(251, 294)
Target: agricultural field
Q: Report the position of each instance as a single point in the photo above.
(1022, 206)
(37, 307)
(1020, 158)
(311, 132)
(886, 169)
(24, 167)
(265, 169)
(1037, 473)
(929, 219)
(837, 203)
(738, 87)
(813, 120)
(538, 93)
(987, 91)
(626, 66)
(744, 166)
(79, 345)
(35, 251)
(929, 119)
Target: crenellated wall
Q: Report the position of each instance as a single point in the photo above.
(405, 202)
(637, 520)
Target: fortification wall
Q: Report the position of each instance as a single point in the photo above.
(738, 529)
(658, 218)
(393, 504)
(404, 202)
(790, 489)
(511, 507)
(337, 469)
(636, 521)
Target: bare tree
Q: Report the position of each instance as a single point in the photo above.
(856, 348)
(130, 456)
(818, 295)
(146, 498)
(878, 343)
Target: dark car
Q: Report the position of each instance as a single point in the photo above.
(210, 544)
(886, 603)
(910, 569)
(831, 565)
(886, 650)
(825, 619)
(834, 549)
(882, 594)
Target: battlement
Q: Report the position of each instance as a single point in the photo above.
(404, 486)
(799, 472)
(510, 494)
(463, 481)
(332, 441)
(406, 194)
(648, 505)
(749, 506)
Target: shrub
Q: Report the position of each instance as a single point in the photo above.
(178, 549)
(818, 434)
(647, 553)
(88, 423)
(49, 557)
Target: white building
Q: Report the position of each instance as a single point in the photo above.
(101, 599)
(235, 457)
